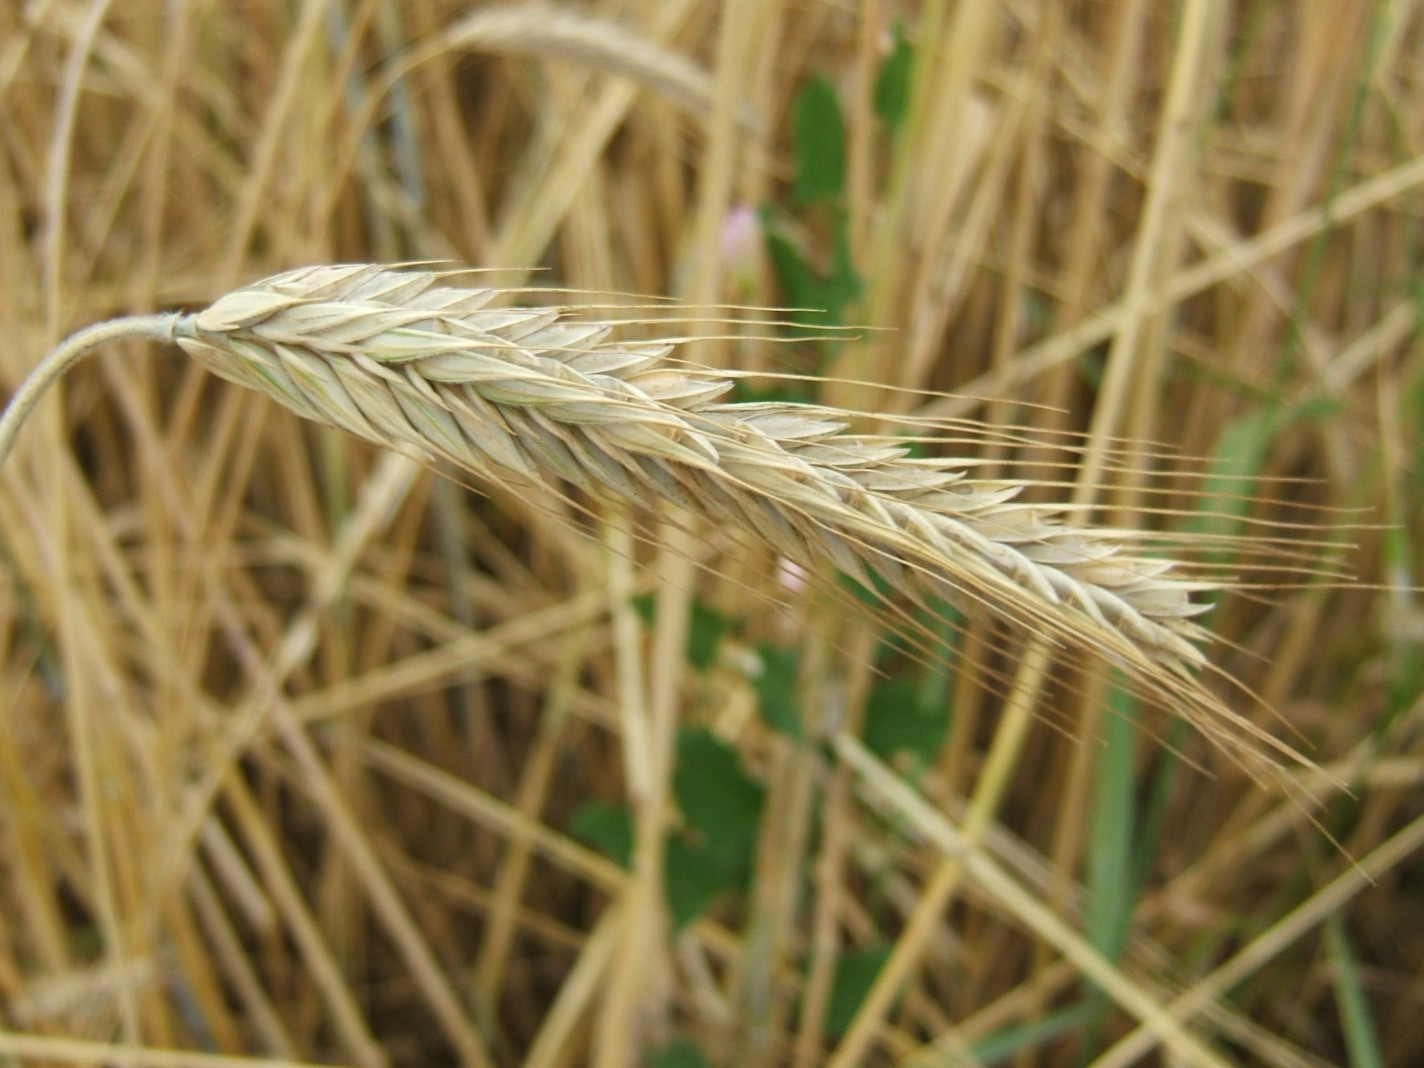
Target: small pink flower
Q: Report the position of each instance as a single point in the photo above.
(741, 245)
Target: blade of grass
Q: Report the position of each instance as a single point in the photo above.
(1361, 1036)
(1002, 888)
(1285, 932)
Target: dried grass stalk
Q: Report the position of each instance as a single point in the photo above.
(409, 361)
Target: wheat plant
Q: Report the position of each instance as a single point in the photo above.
(412, 362)
(584, 678)
(406, 360)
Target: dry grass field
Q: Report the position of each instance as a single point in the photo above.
(963, 613)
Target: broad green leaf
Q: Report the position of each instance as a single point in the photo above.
(843, 286)
(892, 84)
(791, 392)
(817, 143)
(716, 797)
(645, 607)
(778, 701)
(705, 628)
(898, 719)
(815, 300)
(801, 288)
(721, 808)
(855, 972)
(607, 828)
(877, 594)
(697, 872)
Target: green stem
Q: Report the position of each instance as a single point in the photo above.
(69, 352)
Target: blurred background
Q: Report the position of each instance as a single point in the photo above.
(312, 755)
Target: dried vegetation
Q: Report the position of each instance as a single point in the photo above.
(308, 753)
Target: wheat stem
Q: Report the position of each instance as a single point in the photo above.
(1008, 894)
(944, 882)
(69, 352)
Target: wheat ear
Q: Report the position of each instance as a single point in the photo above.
(406, 360)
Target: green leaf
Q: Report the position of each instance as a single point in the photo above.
(855, 972)
(792, 392)
(645, 607)
(1156, 800)
(1111, 883)
(697, 872)
(875, 595)
(843, 286)
(1022, 1038)
(679, 1053)
(777, 698)
(1361, 1035)
(898, 719)
(800, 286)
(815, 301)
(721, 808)
(705, 629)
(715, 795)
(607, 828)
(1114, 856)
(817, 143)
(1240, 451)
(892, 84)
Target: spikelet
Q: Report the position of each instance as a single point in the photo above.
(401, 358)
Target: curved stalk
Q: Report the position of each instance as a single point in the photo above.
(66, 354)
